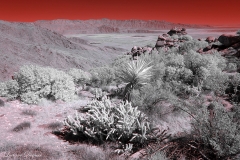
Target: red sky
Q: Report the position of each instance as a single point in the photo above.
(213, 12)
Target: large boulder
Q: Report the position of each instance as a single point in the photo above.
(210, 39)
(160, 43)
(228, 40)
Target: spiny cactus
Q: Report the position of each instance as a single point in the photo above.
(114, 122)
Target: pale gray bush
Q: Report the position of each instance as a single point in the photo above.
(37, 82)
(109, 121)
(102, 76)
(9, 89)
(80, 77)
(186, 37)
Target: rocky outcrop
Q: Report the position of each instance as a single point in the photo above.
(229, 40)
(177, 31)
(211, 39)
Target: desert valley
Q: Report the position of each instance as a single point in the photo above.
(119, 89)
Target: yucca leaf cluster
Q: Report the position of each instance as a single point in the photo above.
(136, 72)
(108, 121)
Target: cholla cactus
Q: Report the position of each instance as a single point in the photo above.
(115, 122)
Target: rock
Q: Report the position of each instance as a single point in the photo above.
(177, 31)
(229, 40)
(161, 38)
(169, 40)
(207, 48)
(170, 44)
(160, 43)
(165, 35)
(210, 39)
(236, 45)
(200, 50)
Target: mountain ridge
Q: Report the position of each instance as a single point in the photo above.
(94, 26)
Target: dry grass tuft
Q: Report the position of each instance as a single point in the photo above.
(22, 126)
(29, 112)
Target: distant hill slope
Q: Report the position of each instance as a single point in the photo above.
(27, 43)
(109, 26)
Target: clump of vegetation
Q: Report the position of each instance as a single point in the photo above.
(115, 122)
(37, 82)
(102, 76)
(186, 37)
(9, 89)
(218, 129)
(80, 77)
(135, 74)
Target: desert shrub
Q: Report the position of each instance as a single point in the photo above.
(216, 60)
(63, 87)
(37, 82)
(192, 45)
(30, 97)
(158, 71)
(115, 122)
(216, 81)
(194, 61)
(231, 67)
(102, 76)
(234, 88)
(175, 60)
(80, 77)
(3, 89)
(218, 131)
(178, 74)
(9, 89)
(175, 36)
(186, 37)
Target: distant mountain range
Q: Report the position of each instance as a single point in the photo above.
(110, 26)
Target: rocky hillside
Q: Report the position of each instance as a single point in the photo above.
(27, 43)
(109, 26)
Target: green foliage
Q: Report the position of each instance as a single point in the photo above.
(37, 82)
(219, 132)
(194, 60)
(9, 89)
(108, 121)
(217, 81)
(102, 76)
(231, 67)
(192, 45)
(186, 37)
(136, 74)
(79, 76)
(175, 60)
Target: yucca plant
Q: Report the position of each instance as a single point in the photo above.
(136, 74)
